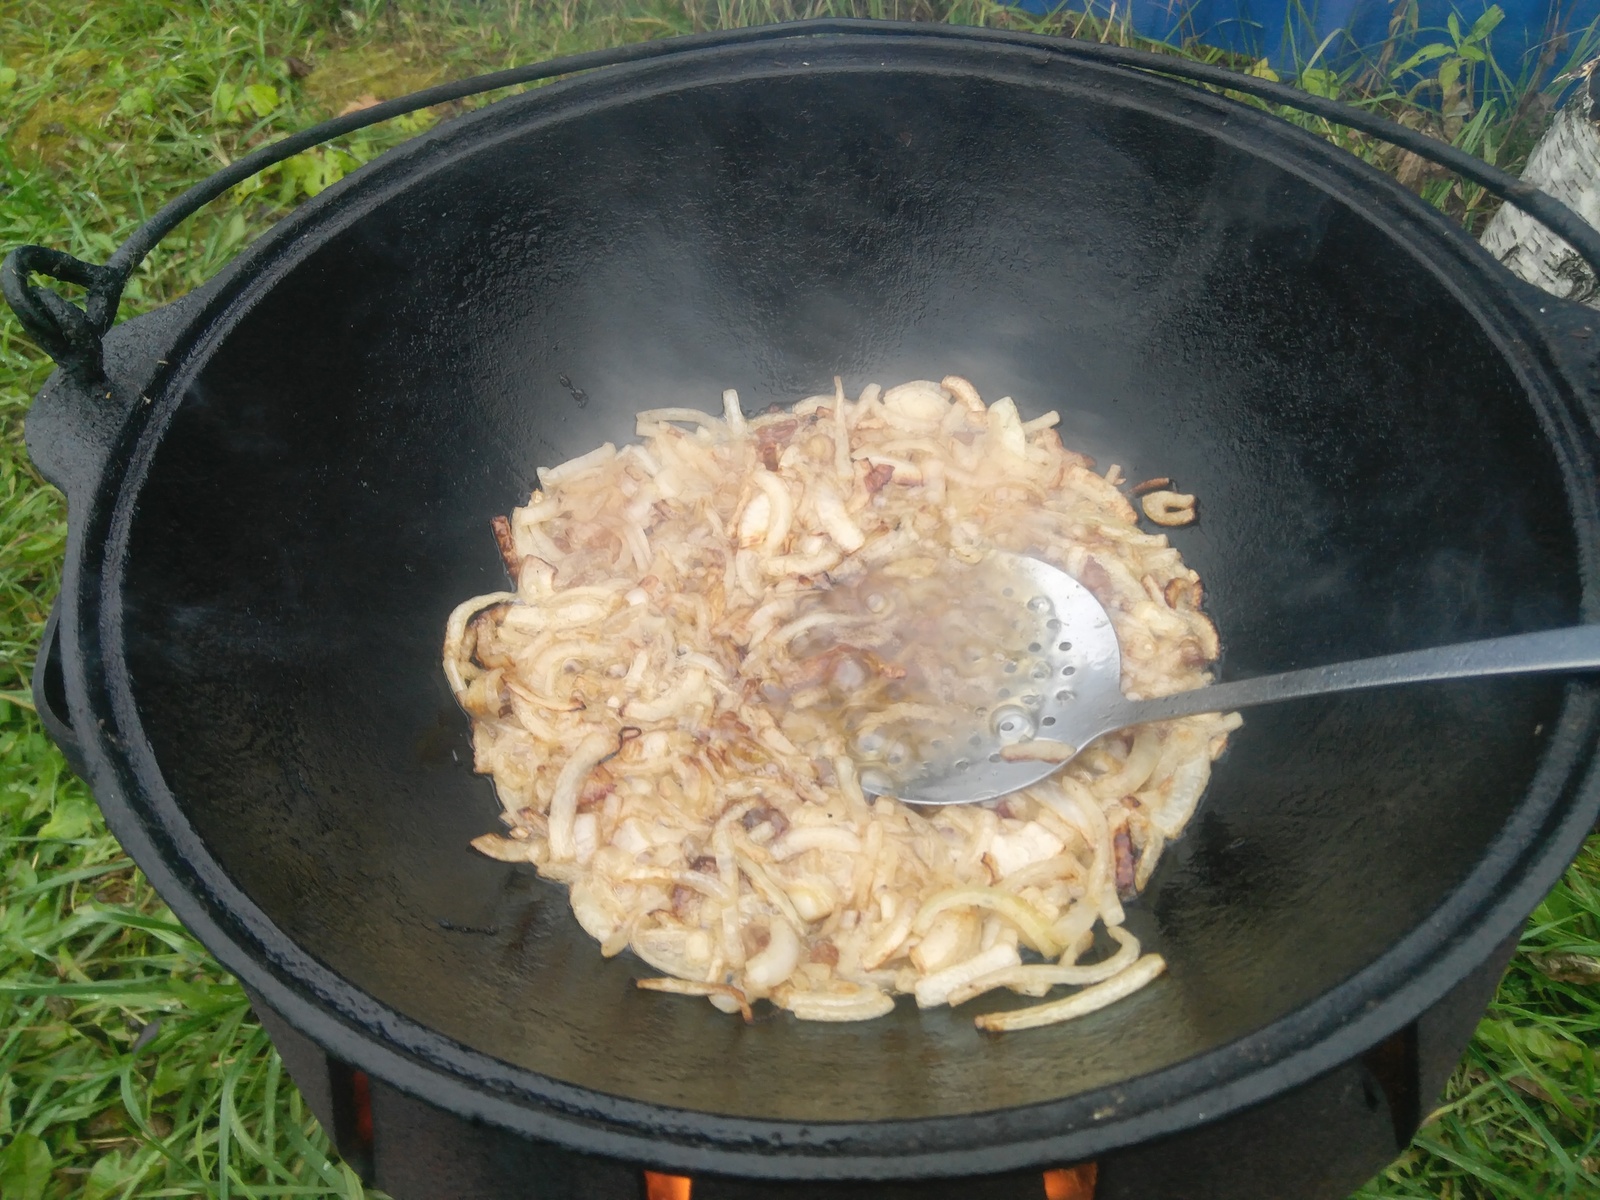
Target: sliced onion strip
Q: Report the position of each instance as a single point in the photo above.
(694, 987)
(564, 800)
(1079, 1004)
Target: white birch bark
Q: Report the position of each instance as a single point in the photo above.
(1566, 164)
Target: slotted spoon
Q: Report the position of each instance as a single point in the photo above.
(1073, 651)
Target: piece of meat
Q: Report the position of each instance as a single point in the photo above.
(486, 649)
(508, 546)
(762, 815)
(878, 477)
(596, 788)
(1098, 580)
(771, 439)
(1127, 857)
(825, 952)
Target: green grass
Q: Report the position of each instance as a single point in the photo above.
(129, 1063)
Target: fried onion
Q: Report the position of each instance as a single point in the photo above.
(659, 699)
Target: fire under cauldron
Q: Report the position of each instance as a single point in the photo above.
(281, 484)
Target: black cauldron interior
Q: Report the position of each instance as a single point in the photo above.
(382, 375)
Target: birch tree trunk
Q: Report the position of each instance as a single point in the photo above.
(1566, 164)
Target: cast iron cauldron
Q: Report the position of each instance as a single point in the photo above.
(280, 486)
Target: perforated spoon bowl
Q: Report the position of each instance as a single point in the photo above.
(1023, 743)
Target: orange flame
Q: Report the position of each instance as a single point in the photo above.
(1071, 1183)
(666, 1187)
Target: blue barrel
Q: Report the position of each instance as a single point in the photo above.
(1339, 34)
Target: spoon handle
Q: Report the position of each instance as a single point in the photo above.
(1573, 649)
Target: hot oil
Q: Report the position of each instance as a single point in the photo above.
(928, 666)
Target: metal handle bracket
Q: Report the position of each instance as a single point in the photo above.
(68, 334)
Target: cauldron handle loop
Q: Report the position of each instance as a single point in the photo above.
(68, 334)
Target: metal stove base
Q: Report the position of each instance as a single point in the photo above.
(1319, 1141)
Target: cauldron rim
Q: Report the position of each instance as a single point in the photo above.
(370, 1035)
